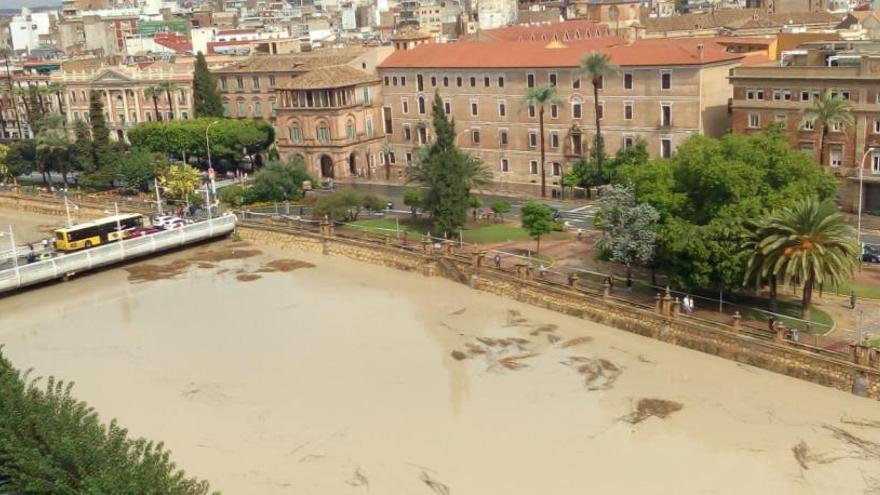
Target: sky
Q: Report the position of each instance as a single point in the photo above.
(15, 4)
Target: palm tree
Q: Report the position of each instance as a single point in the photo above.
(758, 268)
(809, 242)
(56, 89)
(596, 66)
(538, 97)
(167, 87)
(153, 93)
(827, 111)
(50, 141)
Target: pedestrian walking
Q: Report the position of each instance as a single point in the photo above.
(541, 270)
(580, 233)
(404, 238)
(497, 261)
(852, 299)
(771, 322)
(45, 243)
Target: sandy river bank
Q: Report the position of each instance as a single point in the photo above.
(267, 375)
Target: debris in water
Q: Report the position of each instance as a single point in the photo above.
(474, 349)
(548, 328)
(866, 448)
(148, 272)
(358, 479)
(286, 265)
(458, 312)
(458, 355)
(646, 408)
(438, 487)
(598, 374)
(867, 423)
(576, 342)
(515, 362)
(247, 277)
(514, 318)
(801, 453)
(205, 266)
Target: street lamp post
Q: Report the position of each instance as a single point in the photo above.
(861, 188)
(210, 166)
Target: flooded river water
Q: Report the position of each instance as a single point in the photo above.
(269, 371)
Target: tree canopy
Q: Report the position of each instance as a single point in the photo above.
(206, 98)
(279, 181)
(708, 191)
(230, 139)
(537, 219)
(447, 173)
(50, 442)
(628, 226)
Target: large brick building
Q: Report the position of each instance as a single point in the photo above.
(331, 117)
(124, 90)
(785, 92)
(662, 92)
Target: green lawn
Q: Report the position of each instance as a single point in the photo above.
(480, 233)
(874, 342)
(862, 290)
(822, 321)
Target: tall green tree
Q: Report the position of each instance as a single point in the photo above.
(52, 145)
(537, 219)
(138, 168)
(596, 66)
(538, 98)
(827, 111)
(447, 173)
(50, 442)
(21, 159)
(56, 90)
(759, 268)
(280, 181)
(102, 149)
(628, 227)
(809, 242)
(413, 197)
(153, 93)
(81, 152)
(708, 192)
(206, 98)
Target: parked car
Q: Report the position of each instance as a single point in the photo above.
(167, 222)
(141, 231)
(35, 257)
(870, 254)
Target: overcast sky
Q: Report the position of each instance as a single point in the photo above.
(14, 4)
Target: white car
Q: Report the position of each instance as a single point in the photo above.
(167, 221)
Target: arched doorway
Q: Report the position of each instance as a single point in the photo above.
(326, 167)
(352, 164)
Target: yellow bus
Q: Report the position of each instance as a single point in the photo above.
(96, 232)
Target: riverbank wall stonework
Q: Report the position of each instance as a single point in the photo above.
(727, 341)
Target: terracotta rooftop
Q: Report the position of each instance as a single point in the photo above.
(558, 31)
(737, 19)
(473, 55)
(295, 62)
(337, 76)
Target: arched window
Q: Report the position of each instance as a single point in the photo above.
(225, 107)
(242, 109)
(323, 133)
(349, 130)
(258, 109)
(296, 134)
(421, 104)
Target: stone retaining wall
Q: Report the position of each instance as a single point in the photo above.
(720, 340)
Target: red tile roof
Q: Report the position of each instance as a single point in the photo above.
(559, 31)
(498, 55)
(174, 41)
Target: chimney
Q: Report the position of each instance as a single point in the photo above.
(700, 51)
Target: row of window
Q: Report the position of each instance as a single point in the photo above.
(486, 81)
(806, 124)
(323, 135)
(553, 111)
(239, 82)
(161, 98)
(805, 95)
(242, 108)
(120, 117)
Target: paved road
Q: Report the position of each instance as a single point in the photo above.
(579, 216)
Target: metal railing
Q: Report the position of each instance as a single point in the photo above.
(89, 259)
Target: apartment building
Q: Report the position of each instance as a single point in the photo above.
(662, 93)
(785, 92)
(124, 88)
(331, 117)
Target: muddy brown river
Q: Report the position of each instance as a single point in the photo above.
(270, 371)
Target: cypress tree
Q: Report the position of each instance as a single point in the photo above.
(206, 98)
(102, 150)
(448, 173)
